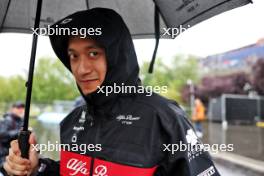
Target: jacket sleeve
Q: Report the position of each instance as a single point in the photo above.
(48, 167)
(6, 131)
(185, 154)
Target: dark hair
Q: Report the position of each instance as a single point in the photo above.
(18, 104)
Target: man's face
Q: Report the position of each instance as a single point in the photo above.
(88, 63)
(19, 111)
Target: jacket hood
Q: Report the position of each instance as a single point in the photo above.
(122, 65)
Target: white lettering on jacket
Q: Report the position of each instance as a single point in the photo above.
(100, 170)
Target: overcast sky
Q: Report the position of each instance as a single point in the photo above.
(227, 31)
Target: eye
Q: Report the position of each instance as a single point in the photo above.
(72, 55)
(93, 53)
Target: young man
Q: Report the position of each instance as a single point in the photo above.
(10, 126)
(126, 133)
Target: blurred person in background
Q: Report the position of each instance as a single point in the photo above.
(198, 117)
(9, 127)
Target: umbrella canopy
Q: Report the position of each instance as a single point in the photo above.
(19, 15)
(144, 18)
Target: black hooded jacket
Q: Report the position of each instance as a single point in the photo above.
(129, 134)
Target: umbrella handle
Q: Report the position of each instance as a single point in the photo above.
(23, 143)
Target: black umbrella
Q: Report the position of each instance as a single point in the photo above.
(145, 18)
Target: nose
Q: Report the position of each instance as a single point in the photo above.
(85, 66)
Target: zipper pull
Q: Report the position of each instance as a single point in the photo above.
(89, 116)
(90, 119)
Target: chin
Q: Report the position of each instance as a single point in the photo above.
(89, 91)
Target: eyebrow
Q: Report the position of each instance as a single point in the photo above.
(87, 47)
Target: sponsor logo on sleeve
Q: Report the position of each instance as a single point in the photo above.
(195, 146)
(208, 172)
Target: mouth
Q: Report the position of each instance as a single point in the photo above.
(88, 80)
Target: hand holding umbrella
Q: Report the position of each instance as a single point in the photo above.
(16, 165)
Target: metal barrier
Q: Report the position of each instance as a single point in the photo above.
(236, 108)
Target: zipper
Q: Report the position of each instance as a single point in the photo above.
(91, 166)
(90, 119)
(95, 142)
(89, 116)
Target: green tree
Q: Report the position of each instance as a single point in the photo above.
(52, 81)
(12, 88)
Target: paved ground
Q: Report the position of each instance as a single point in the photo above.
(248, 140)
(247, 159)
(232, 170)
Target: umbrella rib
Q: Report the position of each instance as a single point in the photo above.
(87, 4)
(162, 15)
(8, 4)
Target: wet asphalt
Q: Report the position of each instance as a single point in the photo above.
(247, 139)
